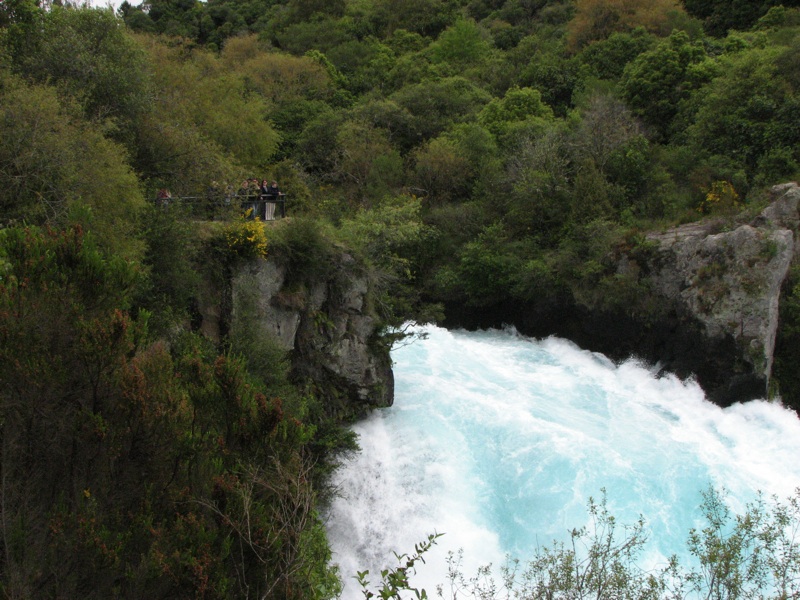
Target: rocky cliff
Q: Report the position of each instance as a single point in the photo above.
(724, 282)
(713, 297)
(324, 323)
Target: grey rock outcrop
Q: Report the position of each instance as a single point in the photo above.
(728, 284)
(325, 325)
(705, 304)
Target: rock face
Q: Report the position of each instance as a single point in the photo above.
(324, 322)
(326, 326)
(716, 288)
(727, 285)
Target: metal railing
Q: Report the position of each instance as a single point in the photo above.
(266, 208)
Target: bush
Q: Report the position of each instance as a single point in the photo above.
(751, 555)
(246, 239)
(304, 246)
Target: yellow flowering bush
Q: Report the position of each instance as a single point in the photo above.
(721, 198)
(246, 239)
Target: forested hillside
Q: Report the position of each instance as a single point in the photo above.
(477, 153)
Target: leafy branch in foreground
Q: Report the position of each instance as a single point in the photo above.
(597, 562)
(397, 579)
(755, 554)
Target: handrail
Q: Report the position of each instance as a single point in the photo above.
(265, 207)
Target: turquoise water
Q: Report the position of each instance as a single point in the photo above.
(498, 441)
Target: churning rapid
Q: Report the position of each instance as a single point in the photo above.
(498, 441)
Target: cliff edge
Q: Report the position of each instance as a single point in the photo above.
(323, 321)
(726, 282)
(706, 304)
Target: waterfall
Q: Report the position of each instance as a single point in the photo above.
(498, 441)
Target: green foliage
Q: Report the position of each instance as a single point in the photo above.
(367, 166)
(720, 16)
(323, 34)
(597, 20)
(207, 121)
(437, 105)
(540, 173)
(532, 162)
(607, 58)
(750, 555)
(585, 261)
(171, 285)
(56, 167)
(304, 246)
(440, 171)
(163, 472)
(425, 17)
(461, 45)
(744, 555)
(390, 237)
(90, 55)
(659, 81)
(749, 122)
(517, 106)
(557, 77)
(488, 266)
(397, 579)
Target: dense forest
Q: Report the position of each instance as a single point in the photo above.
(467, 152)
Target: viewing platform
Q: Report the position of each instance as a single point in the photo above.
(264, 207)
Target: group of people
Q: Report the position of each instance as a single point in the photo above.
(261, 197)
(258, 198)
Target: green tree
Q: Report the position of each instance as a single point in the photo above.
(90, 55)
(720, 16)
(130, 469)
(440, 172)
(367, 163)
(461, 45)
(539, 174)
(488, 266)
(322, 34)
(208, 127)
(436, 105)
(659, 82)
(63, 340)
(745, 114)
(56, 167)
(426, 17)
(517, 106)
(278, 77)
(607, 58)
(171, 283)
(556, 76)
(749, 555)
(598, 19)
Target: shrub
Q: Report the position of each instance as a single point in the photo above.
(246, 239)
(721, 198)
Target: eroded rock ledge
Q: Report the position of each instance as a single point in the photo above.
(728, 284)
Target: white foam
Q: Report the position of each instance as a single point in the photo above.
(497, 441)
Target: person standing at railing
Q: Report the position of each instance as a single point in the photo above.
(272, 195)
(272, 190)
(163, 197)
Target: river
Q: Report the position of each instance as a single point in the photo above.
(498, 441)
